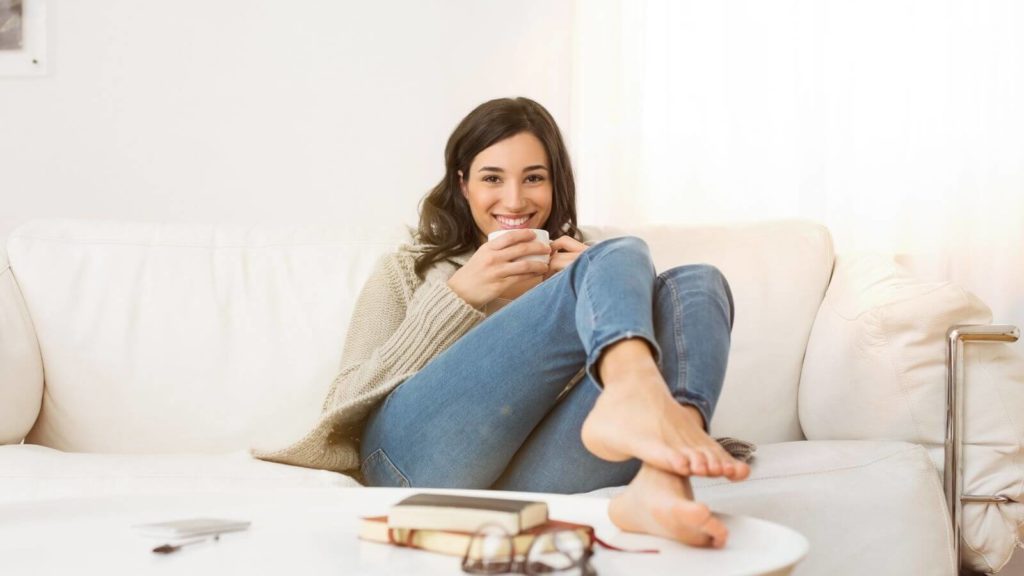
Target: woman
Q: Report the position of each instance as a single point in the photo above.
(461, 364)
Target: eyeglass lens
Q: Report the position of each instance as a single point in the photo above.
(560, 551)
(491, 551)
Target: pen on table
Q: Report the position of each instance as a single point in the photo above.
(168, 548)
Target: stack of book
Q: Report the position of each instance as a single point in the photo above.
(446, 523)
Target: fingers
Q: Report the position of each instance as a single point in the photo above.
(568, 243)
(523, 268)
(562, 260)
(528, 249)
(570, 251)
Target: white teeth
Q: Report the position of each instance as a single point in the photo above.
(510, 222)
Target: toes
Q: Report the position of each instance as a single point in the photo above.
(698, 519)
(716, 531)
(698, 462)
(732, 468)
(728, 462)
(664, 458)
(737, 470)
(682, 522)
(680, 463)
(693, 523)
(713, 461)
(728, 468)
(742, 471)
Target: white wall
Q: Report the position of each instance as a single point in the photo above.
(259, 111)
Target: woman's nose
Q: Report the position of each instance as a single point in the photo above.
(514, 198)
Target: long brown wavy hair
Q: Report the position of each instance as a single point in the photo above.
(446, 223)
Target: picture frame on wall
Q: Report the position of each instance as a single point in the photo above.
(23, 38)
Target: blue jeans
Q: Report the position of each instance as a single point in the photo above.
(486, 412)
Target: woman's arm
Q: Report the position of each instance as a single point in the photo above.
(392, 335)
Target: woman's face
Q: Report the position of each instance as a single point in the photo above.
(509, 185)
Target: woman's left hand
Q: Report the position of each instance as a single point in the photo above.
(564, 250)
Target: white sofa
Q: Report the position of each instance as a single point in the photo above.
(147, 358)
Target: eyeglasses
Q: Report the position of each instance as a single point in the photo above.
(492, 550)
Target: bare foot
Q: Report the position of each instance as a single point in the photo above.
(636, 417)
(661, 504)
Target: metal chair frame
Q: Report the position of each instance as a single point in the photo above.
(953, 476)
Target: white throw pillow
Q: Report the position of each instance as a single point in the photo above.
(876, 369)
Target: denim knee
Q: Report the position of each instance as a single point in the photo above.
(629, 243)
(702, 278)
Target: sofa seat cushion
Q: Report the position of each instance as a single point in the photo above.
(866, 507)
(29, 472)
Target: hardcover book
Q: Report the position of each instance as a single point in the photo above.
(466, 513)
(456, 543)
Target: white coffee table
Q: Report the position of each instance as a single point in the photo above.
(314, 532)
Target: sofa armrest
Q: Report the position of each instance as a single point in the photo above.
(21, 365)
(875, 368)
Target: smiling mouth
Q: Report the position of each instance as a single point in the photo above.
(510, 223)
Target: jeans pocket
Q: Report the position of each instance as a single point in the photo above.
(379, 471)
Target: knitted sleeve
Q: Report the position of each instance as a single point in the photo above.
(396, 328)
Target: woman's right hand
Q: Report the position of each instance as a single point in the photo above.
(491, 270)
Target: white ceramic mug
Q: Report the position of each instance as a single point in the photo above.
(541, 236)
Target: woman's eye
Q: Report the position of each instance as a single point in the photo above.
(535, 178)
(490, 178)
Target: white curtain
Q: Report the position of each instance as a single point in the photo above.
(897, 123)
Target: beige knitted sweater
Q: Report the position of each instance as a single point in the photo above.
(398, 325)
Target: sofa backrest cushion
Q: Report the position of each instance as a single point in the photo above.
(21, 367)
(181, 338)
(778, 272)
(186, 338)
